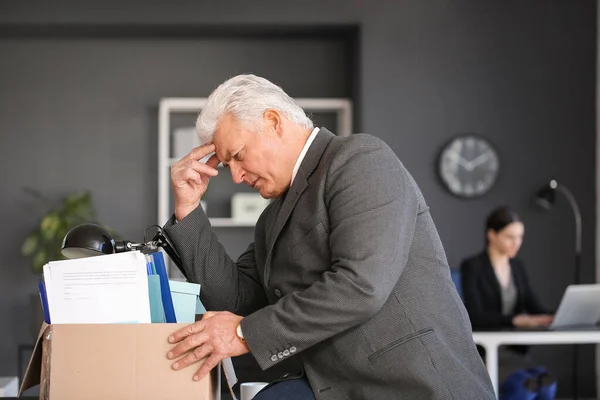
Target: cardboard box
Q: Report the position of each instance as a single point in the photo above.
(113, 361)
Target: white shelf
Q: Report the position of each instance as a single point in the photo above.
(230, 223)
(340, 107)
(190, 104)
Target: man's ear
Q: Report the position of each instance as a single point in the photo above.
(273, 122)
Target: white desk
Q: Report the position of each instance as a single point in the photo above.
(492, 340)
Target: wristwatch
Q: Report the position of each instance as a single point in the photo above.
(240, 334)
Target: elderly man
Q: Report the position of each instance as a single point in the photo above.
(346, 273)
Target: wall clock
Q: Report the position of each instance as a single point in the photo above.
(468, 166)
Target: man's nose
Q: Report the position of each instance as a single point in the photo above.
(237, 174)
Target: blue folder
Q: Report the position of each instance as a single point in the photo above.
(44, 301)
(165, 289)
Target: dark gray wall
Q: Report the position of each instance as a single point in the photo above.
(92, 107)
(519, 73)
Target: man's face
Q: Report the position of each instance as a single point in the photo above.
(259, 160)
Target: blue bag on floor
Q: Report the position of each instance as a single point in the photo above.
(528, 384)
(547, 385)
(520, 385)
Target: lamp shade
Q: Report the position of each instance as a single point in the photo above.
(546, 197)
(87, 240)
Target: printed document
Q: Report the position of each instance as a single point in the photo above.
(103, 289)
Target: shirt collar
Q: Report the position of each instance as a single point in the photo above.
(312, 137)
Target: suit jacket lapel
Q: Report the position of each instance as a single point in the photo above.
(492, 279)
(309, 163)
(519, 284)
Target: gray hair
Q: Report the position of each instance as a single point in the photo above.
(246, 98)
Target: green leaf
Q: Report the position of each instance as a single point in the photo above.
(30, 245)
(39, 260)
(77, 199)
(50, 225)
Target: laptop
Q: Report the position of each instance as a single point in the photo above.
(578, 309)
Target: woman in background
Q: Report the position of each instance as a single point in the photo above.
(496, 289)
(495, 285)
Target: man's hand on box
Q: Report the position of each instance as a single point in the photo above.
(211, 339)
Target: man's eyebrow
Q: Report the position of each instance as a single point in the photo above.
(226, 158)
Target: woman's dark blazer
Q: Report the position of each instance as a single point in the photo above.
(481, 293)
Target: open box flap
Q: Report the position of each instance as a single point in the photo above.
(34, 368)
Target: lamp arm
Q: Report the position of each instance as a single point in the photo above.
(576, 212)
(576, 271)
(126, 245)
(160, 239)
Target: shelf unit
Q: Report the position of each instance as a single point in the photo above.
(342, 108)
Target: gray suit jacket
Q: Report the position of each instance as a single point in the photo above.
(348, 274)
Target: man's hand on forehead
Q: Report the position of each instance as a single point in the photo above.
(190, 177)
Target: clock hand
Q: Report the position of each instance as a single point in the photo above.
(461, 161)
(478, 160)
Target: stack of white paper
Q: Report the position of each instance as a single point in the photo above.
(103, 289)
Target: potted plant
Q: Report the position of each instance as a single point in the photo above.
(43, 243)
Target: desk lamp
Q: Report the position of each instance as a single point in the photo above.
(87, 240)
(545, 198)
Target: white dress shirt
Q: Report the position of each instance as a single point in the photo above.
(312, 137)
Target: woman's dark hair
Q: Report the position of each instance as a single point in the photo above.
(500, 218)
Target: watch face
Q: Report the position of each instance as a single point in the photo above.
(469, 166)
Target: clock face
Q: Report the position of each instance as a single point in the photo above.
(469, 166)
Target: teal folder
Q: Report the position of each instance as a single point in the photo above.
(157, 312)
(200, 307)
(185, 300)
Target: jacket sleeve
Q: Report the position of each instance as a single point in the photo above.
(473, 295)
(373, 206)
(226, 285)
